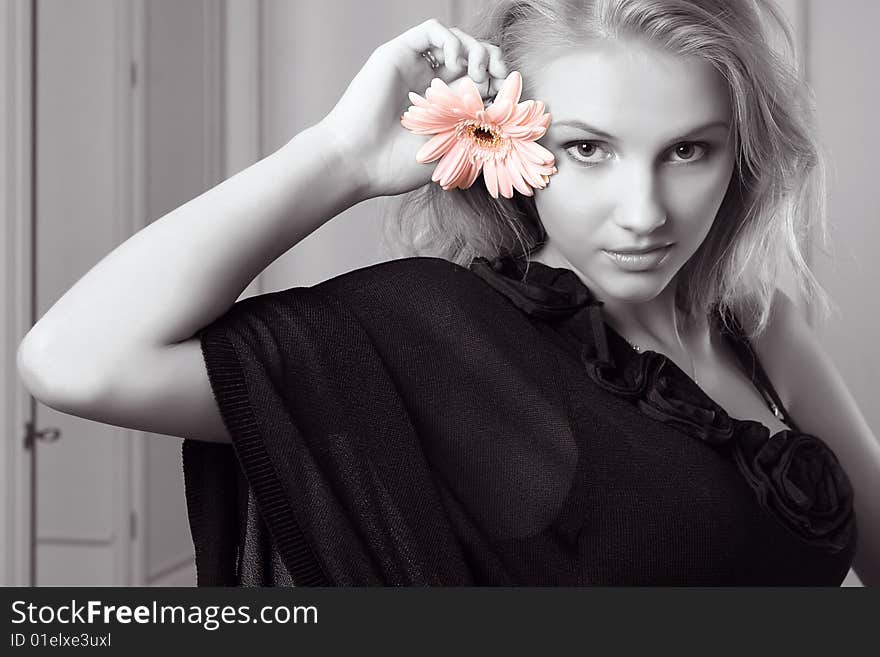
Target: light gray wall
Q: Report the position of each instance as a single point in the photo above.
(842, 66)
(310, 52)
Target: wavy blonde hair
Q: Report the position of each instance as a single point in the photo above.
(775, 206)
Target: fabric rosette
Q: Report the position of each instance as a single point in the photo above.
(677, 401)
(545, 301)
(497, 140)
(798, 478)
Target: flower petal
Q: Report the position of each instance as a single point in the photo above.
(527, 121)
(531, 177)
(514, 165)
(425, 126)
(537, 175)
(461, 172)
(471, 174)
(505, 184)
(441, 94)
(449, 164)
(417, 100)
(534, 113)
(499, 112)
(511, 88)
(522, 186)
(470, 96)
(519, 132)
(435, 147)
(490, 177)
(437, 112)
(535, 152)
(521, 113)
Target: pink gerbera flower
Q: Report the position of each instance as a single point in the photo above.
(468, 137)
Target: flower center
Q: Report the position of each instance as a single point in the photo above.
(483, 135)
(488, 142)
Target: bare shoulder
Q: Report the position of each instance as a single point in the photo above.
(822, 405)
(812, 387)
(787, 332)
(804, 374)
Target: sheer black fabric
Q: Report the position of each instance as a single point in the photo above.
(420, 423)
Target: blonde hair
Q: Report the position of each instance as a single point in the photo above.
(774, 208)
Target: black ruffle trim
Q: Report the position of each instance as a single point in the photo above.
(795, 476)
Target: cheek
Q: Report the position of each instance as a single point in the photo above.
(694, 200)
(568, 210)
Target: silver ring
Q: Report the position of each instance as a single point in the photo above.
(432, 61)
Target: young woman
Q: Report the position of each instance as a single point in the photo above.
(585, 374)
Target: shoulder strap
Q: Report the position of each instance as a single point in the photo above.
(742, 347)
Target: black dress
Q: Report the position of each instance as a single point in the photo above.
(420, 423)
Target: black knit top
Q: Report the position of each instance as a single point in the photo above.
(420, 423)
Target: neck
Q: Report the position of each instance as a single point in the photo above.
(652, 324)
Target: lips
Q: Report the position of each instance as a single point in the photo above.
(636, 251)
(640, 261)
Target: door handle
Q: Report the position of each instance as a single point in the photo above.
(50, 435)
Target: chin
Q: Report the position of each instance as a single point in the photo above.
(634, 288)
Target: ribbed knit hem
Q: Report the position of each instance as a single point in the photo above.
(230, 392)
(206, 468)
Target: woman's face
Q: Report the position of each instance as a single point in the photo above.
(641, 145)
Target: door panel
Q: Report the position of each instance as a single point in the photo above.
(80, 507)
(183, 157)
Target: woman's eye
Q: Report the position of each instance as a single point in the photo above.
(689, 151)
(586, 152)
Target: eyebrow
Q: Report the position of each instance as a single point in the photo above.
(574, 123)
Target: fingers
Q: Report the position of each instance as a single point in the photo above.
(477, 56)
(440, 40)
(497, 67)
(495, 86)
(485, 66)
(458, 53)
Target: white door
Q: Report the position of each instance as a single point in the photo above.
(82, 495)
(128, 126)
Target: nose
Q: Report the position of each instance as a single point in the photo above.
(640, 209)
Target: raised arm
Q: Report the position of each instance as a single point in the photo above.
(118, 347)
(125, 317)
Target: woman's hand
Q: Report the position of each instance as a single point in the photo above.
(364, 127)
